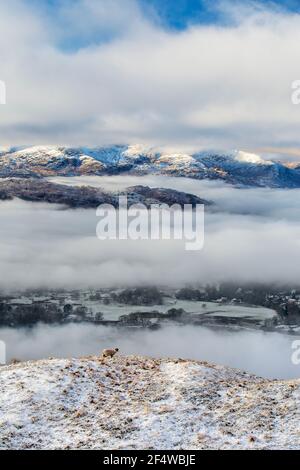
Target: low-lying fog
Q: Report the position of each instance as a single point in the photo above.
(277, 203)
(265, 354)
(251, 235)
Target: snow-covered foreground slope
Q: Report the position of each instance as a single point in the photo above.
(143, 403)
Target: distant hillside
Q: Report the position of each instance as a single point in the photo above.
(238, 167)
(42, 190)
(143, 403)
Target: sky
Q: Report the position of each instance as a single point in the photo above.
(180, 14)
(184, 74)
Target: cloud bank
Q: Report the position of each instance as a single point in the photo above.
(265, 354)
(251, 235)
(106, 72)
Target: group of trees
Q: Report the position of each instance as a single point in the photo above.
(46, 312)
(139, 296)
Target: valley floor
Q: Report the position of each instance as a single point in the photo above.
(143, 403)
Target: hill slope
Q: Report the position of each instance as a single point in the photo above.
(143, 403)
(237, 167)
(42, 190)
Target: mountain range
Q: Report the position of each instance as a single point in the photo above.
(236, 168)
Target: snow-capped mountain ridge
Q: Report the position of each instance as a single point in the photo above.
(236, 167)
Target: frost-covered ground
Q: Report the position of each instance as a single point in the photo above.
(113, 311)
(143, 403)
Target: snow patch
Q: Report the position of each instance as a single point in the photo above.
(143, 403)
(251, 158)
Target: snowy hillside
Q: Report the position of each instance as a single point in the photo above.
(143, 403)
(237, 167)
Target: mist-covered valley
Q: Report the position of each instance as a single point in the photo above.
(251, 239)
(263, 353)
(250, 235)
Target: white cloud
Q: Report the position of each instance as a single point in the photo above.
(204, 87)
(252, 235)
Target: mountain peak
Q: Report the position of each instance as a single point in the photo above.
(237, 167)
(247, 157)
